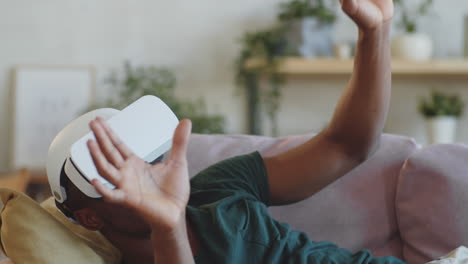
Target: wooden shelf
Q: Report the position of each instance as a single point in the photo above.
(334, 67)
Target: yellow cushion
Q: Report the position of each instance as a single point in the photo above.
(33, 234)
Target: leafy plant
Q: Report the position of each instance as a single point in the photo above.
(298, 9)
(440, 104)
(409, 18)
(265, 47)
(268, 46)
(135, 82)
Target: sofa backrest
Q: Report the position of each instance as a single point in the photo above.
(356, 212)
(432, 202)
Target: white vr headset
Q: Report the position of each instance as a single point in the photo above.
(146, 127)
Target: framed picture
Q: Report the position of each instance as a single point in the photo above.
(466, 36)
(46, 99)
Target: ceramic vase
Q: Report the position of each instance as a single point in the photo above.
(413, 47)
(442, 130)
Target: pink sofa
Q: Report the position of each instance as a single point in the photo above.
(404, 201)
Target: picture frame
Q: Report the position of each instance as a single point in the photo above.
(45, 99)
(466, 36)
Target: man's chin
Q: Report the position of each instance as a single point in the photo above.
(136, 234)
(140, 231)
(143, 235)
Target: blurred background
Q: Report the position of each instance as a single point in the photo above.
(266, 67)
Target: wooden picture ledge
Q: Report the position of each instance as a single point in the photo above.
(296, 66)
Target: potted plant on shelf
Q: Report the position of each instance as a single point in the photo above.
(412, 45)
(266, 46)
(442, 112)
(310, 25)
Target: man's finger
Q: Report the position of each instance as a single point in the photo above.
(124, 150)
(113, 196)
(180, 141)
(110, 152)
(349, 6)
(105, 169)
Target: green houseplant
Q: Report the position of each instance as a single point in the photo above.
(442, 112)
(409, 17)
(267, 47)
(412, 44)
(298, 9)
(310, 26)
(440, 104)
(134, 82)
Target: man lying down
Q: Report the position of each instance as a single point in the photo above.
(157, 215)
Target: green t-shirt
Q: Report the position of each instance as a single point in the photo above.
(228, 210)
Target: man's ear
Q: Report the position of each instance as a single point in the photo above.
(88, 218)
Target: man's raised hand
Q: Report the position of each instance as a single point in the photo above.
(159, 193)
(368, 14)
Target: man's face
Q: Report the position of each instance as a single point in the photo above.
(123, 221)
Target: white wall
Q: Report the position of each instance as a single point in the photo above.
(196, 38)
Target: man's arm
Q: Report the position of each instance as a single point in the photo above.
(355, 130)
(172, 246)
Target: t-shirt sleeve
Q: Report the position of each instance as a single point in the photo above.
(242, 174)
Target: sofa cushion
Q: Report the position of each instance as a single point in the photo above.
(432, 202)
(356, 212)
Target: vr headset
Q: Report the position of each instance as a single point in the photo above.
(146, 127)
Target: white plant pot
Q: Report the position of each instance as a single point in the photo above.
(413, 47)
(442, 130)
